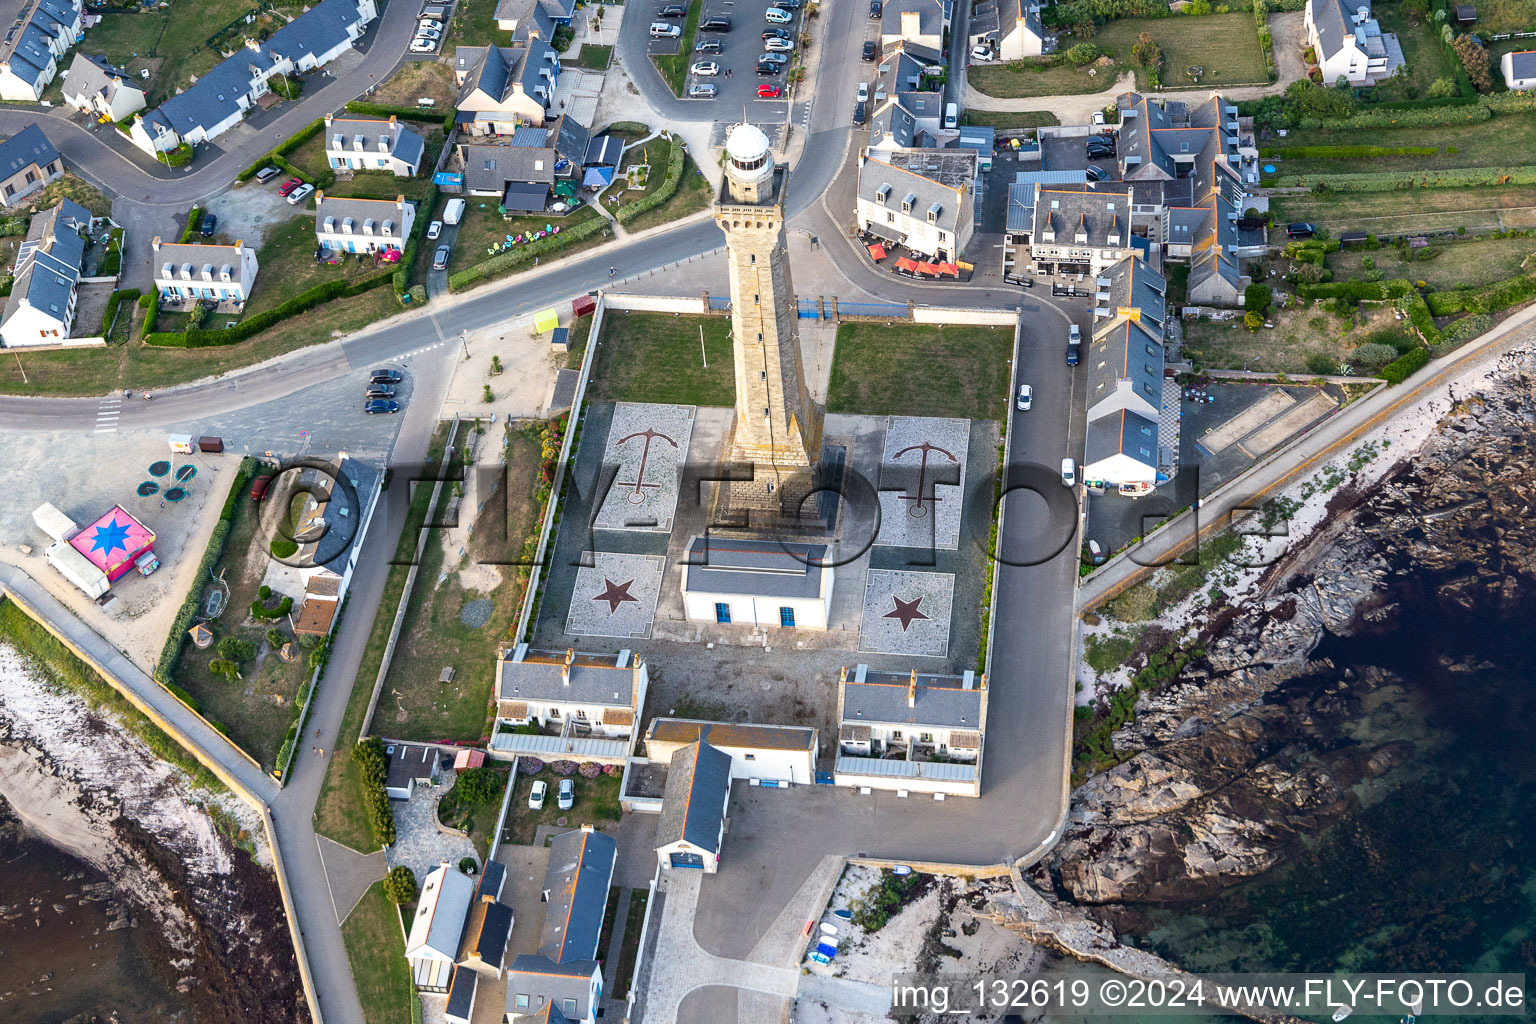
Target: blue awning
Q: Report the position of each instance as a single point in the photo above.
(598, 177)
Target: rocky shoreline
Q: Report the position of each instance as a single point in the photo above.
(1258, 744)
(207, 913)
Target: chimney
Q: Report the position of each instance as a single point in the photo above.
(912, 690)
(154, 243)
(565, 668)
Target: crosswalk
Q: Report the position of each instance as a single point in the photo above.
(107, 413)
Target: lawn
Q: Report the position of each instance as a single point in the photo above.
(417, 79)
(478, 818)
(693, 194)
(674, 67)
(288, 268)
(310, 159)
(1044, 76)
(434, 634)
(1498, 142)
(1422, 51)
(1443, 267)
(339, 812)
(1004, 120)
(376, 951)
(592, 57)
(483, 227)
(655, 357)
(173, 43)
(1304, 340)
(597, 804)
(474, 24)
(634, 923)
(921, 370)
(1225, 45)
(1495, 17)
(255, 711)
(1414, 210)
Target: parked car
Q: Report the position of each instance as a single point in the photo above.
(1068, 472)
(863, 94)
(259, 488)
(440, 258)
(769, 92)
(1074, 335)
(300, 194)
(385, 375)
(1096, 173)
(429, 32)
(661, 30)
(858, 112)
(778, 16)
(768, 69)
(1025, 399)
(380, 391)
(704, 68)
(874, 9)
(673, 11)
(701, 91)
(1300, 229)
(567, 795)
(209, 225)
(288, 186)
(1098, 149)
(421, 45)
(1072, 354)
(375, 406)
(981, 53)
(773, 58)
(779, 45)
(776, 33)
(426, 23)
(709, 46)
(788, 5)
(1095, 554)
(719, 23)
(434, 230)
(267, 174)
(537, 794)
(870, 49)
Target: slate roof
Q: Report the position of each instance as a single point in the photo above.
(409, 761)
(549, 1014)
(216, 96)
(28, 51)
(1130, 353)
(316, 32)
(491, 167)
(405, 144)
(1021, 195)
(1122, 433)
(27, 147)
(693, 804)
(344, 511)
(577, 879)
(48, 263)
(571, 139)
(498, 70)
(755, 567)
(1522, 64)
(95, 76)
(461, 993)
(1096, 213)
(485, 932)
(906, 173)
(539, 977)
(593, 678)
(1333, 23)
(603, 151)
(892, 121)
(930, 16)
(882, 697)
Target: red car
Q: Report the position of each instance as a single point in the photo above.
(259, 488)
(769, 92)
(288, 186)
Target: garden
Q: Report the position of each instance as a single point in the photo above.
(176, 45)
(597, 797)
(473, 805)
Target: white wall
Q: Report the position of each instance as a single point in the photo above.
(924, 787)
(28, 325)
(656, 303)
(944, 315)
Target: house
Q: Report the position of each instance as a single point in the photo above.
(1125, 361)
(1349, 44)
(693, 809)
(1011, 29)
(334, 520)
(358, 143)
(781, 754)
(1079, 229)
(533, 19)
(317, 611)
(920, 198)
(459, 935)
(96, 87)
(586, 706)
(564, 977)
(501, 87)
(521, 177)
(757, 583)
(1519, 70)
(41, 307)
(914, 21)
(362, 225)
(218, 100)
(910, 732)
(907, 107)
(600, 163)
(186, 271)
(43, 32)
(1019, 225)
(28, 161)
(409, 763)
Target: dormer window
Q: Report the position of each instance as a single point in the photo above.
(368, 226)
(907, 202)
(168, 270)
(383, 143)
(882, 194)
(357, 142)
(330, 224)
(186, 271)
(933, 213)
(224, 273)
(338, 141)
(389, 228)
(346, 226)
(207, 271)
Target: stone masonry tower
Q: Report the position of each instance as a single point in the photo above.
(778, 427)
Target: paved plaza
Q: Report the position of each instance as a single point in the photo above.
(922, 482)
(648, 444)
(906, 613)
(616, 596)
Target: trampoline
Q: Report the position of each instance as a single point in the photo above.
(148, 489)
(185, 473)
(175, 494)
(1269, 168)
(159, 468)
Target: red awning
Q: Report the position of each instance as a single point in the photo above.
(877, 253)
(924, 267)
(902, 263)
(948, 268)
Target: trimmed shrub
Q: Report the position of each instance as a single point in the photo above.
(251, 326)
(281, 150)
(564, 767)
(282, 547)
(1459, 332)
(234, 648)
(114, 301)
(1404, 366)
(590, 769)
(1344, 152)
(613, 769)
(524, 254)
(400, 885)
(259, 610)
(1373, 354)
(530, 765)
(1356, 291)
(477, 785)
(373, 765)
(1257, 297)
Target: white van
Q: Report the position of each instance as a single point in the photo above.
(453, 211)
(951, 115)
(662, 30)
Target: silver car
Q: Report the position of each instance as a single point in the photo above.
(566, 797)
(702, 91)
(440, 258)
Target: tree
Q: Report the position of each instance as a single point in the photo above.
(1417, 10)
(1146, 51)
(400, 885)
(233, 648)
(1477, 62)
(477, 785)
(276, 638)
(1441, 88)
(1311, 99)
(223, 667)
(1253, 321)
(1083, 53)
(1257, 297)
(468, 865)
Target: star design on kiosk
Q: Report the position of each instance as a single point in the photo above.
(110, 537)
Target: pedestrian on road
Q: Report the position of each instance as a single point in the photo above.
(612, 271)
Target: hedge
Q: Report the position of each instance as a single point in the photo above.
(401, 278)
(116, 299)
(1459, 332)
(1357, 291)
(423, 114)
(301, 303)
(282, 149)
(1344, 152)
(194, 220)
(188, 611)
(1389, 181)
(1489, 299)
(1418, 314)
(1405, 365)
(151, 305)
(668, 187)
(512, 258)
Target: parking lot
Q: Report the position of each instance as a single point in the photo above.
(737, 81)
(427, 44)
(1070, 154)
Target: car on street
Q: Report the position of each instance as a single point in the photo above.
(288, 186)
(673, 11)
(1025, 399)
(701, 91)
(859, 109)
(704, 68)
(440, 258)
(709, 46)
(300, 194)
(267, 174)
(537, 794)
(719, 23)
(1072, 354)
(259, 488)
(769, 92)
(374, 406)
(1096, 173)
(380, 391)
(434, 230)
(384, 375)
(567, 795)
(778, 16)
(1300, 229)
(863, 93)
(421, 45)
(1074, 335)
(768, 69)
(209, 225)
(773, 58)
(981, 54)
(1068, 472)
(870, 49)
(779, 45)
(874, 9)
(776, 33)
